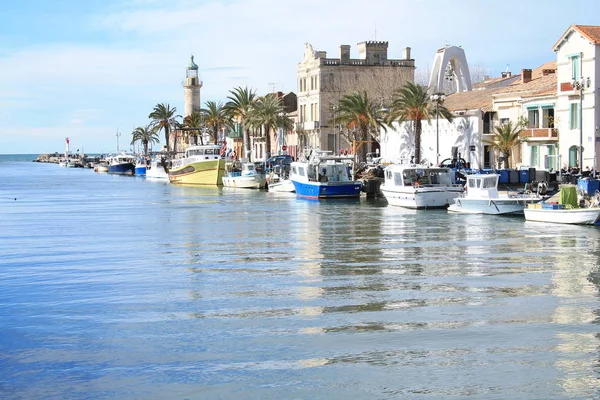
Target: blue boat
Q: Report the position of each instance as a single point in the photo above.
(324, 176)
(122, 164)
(140, 166)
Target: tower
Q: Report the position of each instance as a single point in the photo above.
(450, 63)
(191, 89)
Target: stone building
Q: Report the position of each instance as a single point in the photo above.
(322, 81)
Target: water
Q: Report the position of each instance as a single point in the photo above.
(118, 287)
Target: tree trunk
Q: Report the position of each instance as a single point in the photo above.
(167, 138)
(216, 134)
(417, 141)
(267, 141)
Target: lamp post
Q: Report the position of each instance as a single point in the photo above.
(438, 98)
(118, 134)
(580, 85)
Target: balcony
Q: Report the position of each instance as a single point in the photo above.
(307, 126)
(542, 134)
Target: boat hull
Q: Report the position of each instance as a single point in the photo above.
(575, 216)
(140, 171)
(121, 169)
(246, 182)
(490, 206)
(283, 186)
(202, 173)
(326, 190)
(101, 168)
(421, 198)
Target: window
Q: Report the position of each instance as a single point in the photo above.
(534, 156)
(575, 68)
(574, 116)
(547, 117)
(533, 116)
(504, 121)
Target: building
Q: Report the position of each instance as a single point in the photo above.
(322, 81)
(191, 89)
(577, 54)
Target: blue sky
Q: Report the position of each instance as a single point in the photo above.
(87, 69)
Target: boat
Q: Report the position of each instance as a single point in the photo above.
(418, 187)
(249, 176)
(101, 167)
(141, 165)
(566, 210)
(279, 180)
(158, 169)
(201, 165)
(62, 163)
(324, 176)
(121, 164)
(482, 197)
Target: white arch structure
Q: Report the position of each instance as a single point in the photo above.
(455, 57)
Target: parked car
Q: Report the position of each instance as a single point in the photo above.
(454, 163)
(284, 160)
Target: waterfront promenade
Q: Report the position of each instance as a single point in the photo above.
(119, 287)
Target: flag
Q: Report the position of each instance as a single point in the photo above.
(224, 148)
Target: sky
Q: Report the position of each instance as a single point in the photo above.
(91, 70)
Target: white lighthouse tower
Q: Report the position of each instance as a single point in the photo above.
(191, 89)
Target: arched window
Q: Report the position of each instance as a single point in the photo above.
(573, 156)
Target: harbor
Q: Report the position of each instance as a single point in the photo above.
(121, 287)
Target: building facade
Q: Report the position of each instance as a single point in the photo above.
(322, 81)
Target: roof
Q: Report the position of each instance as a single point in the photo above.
(483, 99)
(192, 64)
(590, 32)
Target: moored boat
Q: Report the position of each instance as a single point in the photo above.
(201, 165)
(279, 180)
(249, 177)
(566, 211)
(158, 169)
(417, 186)
(141, 165)
(482, 197)
(324, 176)
(121, 164)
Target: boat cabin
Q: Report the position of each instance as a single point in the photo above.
(417, 176)
(206, 152)
(326, 171)
(483, 186)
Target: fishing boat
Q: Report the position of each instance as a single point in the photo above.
(482, 197)
(101, 167)
(251, 176)
(324, 176)
(141, 165)
(201, 165)
(158, 168)
(566, 210)
(121, 164)
(279, 180)
(418, 186)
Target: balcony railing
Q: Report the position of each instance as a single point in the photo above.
(539, 133)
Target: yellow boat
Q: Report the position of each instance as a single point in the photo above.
(202, 165)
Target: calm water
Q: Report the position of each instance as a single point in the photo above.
(118, 287)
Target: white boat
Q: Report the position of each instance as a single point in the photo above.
(566, 211)
(482, 197)
(101, 167)
(279, 180)
(417, 186)
(250, 177)
(202, 165)
(324, 176)
(157, 170)
(62, 163)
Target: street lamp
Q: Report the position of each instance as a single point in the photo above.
(580, 85)
(118, 134)
(437, 98)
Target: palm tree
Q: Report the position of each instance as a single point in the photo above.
(361, 115)
(505, 139)
(239, 107)
(412, 103)
(268, 112)
(194, 123)
(146, 135)
(163, 117)
(215, 116)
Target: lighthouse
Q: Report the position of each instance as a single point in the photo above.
(191, 89)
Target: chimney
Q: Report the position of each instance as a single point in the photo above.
(525, 75)
(407, 53)
(546, 72)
